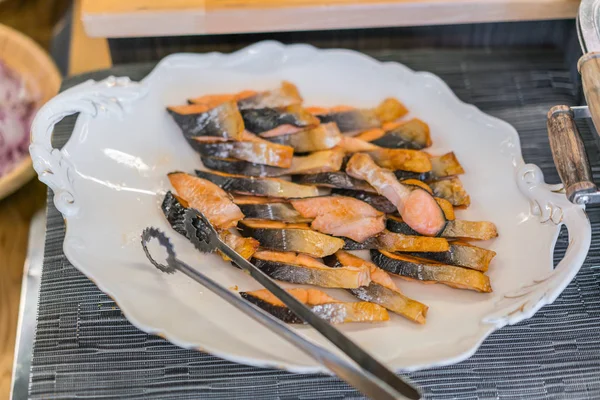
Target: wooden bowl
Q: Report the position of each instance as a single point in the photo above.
(34, 65)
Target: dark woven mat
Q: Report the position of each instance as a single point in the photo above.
(85, 348)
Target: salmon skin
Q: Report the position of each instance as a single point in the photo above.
(239, 167)
(322, 137)
(422, 176)
(452, 190)
(286, 95)
(353, 120)
(208, 198)
(331, 310)
(413, 134)
(430, 272)
(290, 237)
(391, 241)
(462, 255)
(273, 211)
(402, 159)
(381, 290)
(317, 162)
(268, 122)
(258, 152)
(334, 180)
(457, 229)
(302, 269)
(270, 187)
(174, 210)
(223, 121)
(341, 216)
(377, 201)
(417, 207)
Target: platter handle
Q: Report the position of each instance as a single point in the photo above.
(91, 99)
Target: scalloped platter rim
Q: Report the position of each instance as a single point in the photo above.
(110, 177)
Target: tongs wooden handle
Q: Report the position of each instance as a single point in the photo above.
(365, 373)
(569, 155)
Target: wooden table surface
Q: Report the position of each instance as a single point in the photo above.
(35, 18)
(138, 18)
(15, 215)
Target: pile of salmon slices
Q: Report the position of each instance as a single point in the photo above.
(306, 194)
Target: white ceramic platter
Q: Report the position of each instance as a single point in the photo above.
(110, 178)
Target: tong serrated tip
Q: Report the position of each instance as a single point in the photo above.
(153, 233)
(200, 231)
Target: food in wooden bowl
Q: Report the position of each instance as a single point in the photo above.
(28, 78)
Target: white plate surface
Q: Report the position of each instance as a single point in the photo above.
(110, 178)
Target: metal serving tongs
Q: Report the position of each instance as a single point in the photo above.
(366, 374)
(567, 146)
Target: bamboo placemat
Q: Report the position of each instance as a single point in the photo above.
(85, 347)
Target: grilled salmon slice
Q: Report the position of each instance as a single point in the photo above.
(431, 272)
(349, 120)
(258, 151)
(286, 95)
(353, 120)
(200, 121)
(356, 145)
(416, 206)
(316, 162)
(270, 187)
(462, 255)
(294, 237)
(392, 241)
(269, 122)
(382, 290)
(273, 211)
(341, 216)
(443, 166)
(174, 207)
(332, 310)
(457, 229)
(240, 167)
(322, 137)
(413, 134)
(390, 109)
(244, 246)
(303, 269)
(208, 198)
(452, 190)
(380, 203)
(339, 180)
(213, 100)
(407, 160)
(402, 159)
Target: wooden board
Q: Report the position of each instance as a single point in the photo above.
(139, 18)
(85, 53)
